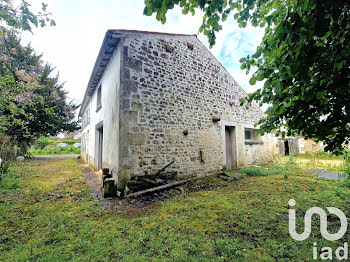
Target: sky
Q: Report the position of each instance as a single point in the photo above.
(73, 44)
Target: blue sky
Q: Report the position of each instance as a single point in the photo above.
(73, 44)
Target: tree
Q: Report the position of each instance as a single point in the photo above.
(21, 17)
(32, 103)
(304, 59)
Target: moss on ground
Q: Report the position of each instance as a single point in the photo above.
(51, 217)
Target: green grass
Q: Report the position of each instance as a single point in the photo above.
(50, 216)
(256, 171)
(234, 175)
(46, 146)
(9, 181)
(55, 150)
(319, 155)
(346, 173)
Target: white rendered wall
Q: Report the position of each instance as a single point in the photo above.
(108, 114)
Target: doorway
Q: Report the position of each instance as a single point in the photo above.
(230, 145)
(286, 147)
(99, 146)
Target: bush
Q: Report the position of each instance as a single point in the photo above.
(69, 142)
(42, 143)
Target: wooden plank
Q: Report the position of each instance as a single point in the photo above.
(154, 189)
(296, 146)
(147, 180)
(281, 147)
(152, 176)
(226, 178)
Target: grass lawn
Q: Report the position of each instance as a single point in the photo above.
(47, 214)
(55, 150)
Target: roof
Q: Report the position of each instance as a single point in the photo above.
(109, 44)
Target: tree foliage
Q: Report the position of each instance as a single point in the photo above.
(304, 59)
(18, 15)
(32, 102)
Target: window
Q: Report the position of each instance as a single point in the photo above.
(99, 99)
(86, 117)
(251, 137)
(247, 134)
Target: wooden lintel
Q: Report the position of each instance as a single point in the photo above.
(154, 189)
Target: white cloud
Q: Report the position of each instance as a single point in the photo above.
(73, 44)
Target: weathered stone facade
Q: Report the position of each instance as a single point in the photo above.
(175, 100)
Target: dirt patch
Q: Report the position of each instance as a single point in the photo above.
(146, 203)
(52, 196)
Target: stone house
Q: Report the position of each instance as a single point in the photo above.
(158, 98)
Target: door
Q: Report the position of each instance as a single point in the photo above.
(286, 147)
(281, 147)
(230, 145)
(99, 146)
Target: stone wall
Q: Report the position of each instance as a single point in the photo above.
(310, 146)
(303, 146)
(173, 85)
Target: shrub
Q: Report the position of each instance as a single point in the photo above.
(69, 142)
(42, 143)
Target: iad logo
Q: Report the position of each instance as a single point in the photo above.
(323, 221)
(326, 251)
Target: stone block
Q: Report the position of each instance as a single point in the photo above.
(125, 104)
(130, 116)
(109, 188)
(133, 64)
(136, 139)
(124, 176)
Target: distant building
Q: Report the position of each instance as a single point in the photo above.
(154, 98)
(296, 145)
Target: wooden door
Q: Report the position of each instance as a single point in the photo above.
(230, 145)
(99, 148)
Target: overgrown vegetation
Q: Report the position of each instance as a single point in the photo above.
(52, 217)
(53, 146)
(319, 155)
(284, 168)
(9, 180)
(19, 15)
(32, 102)
(234, 175)
(8, 153)
(346, 172)
(256, 171)
(301, 60)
